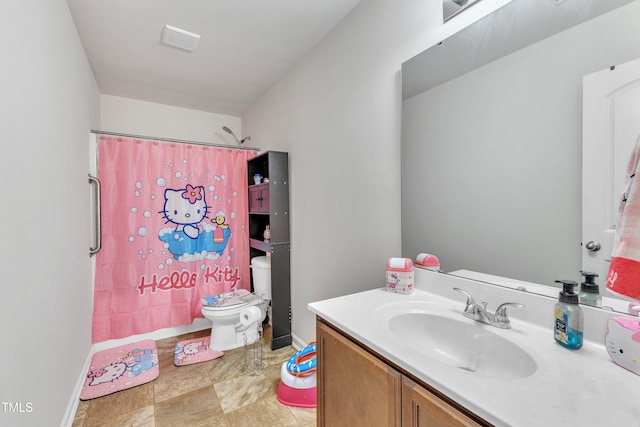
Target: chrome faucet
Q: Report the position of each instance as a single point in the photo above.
(478, 312)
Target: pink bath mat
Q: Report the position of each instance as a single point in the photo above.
(193, 351)
(121, 368)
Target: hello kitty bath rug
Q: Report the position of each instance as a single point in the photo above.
(192, 351)
(121, 368)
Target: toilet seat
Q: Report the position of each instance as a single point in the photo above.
(228, 300)
(225, 307)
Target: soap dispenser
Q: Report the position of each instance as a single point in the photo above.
(589, 290)
(568, 317)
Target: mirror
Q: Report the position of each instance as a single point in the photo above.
(492, 137)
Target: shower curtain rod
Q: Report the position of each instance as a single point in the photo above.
(179, 141)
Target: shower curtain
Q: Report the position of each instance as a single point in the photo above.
(174, 229)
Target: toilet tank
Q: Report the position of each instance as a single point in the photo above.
(261, 271)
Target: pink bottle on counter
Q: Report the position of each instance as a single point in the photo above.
(400, 275)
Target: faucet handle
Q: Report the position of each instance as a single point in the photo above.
(501, 311)
(469, 297)
(470, 300)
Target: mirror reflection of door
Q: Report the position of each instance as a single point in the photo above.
(611, 127)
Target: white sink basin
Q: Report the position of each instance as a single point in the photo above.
(460, 343)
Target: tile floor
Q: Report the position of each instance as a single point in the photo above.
(213, 393)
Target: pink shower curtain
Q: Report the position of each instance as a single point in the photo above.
(174, 229)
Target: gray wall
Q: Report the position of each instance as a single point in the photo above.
(48, 105)
(337, 113)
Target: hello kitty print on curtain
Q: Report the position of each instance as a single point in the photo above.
(174, 229)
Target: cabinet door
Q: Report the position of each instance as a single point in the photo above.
(420, 407)
(259, 198)
(264, 198)
(354, 387)
(254, 199)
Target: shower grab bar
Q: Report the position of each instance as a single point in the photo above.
(98, 216)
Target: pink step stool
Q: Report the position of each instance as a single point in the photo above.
(297, 391)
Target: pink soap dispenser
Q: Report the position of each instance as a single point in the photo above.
(623, 341)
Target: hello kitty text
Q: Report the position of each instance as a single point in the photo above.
(185, 279)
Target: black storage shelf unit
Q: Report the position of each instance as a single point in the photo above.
(269, 205)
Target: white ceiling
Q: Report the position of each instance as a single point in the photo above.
(245, 47)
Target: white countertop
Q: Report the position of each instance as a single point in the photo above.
(569, 388)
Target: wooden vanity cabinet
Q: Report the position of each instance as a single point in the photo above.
(422, 408)
(357, 388)
(354, 387)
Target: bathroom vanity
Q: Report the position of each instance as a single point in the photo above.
(356, 386)
(392, 359)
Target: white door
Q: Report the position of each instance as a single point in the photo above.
(611, 126)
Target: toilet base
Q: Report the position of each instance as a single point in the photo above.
(228, 330)
(226, 337)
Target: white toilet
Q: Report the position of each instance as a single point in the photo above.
(235, 315)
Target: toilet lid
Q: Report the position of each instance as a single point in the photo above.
(228, 299)
(223, 307)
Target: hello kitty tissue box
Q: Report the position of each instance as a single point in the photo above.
(400, 275)
(623, 342)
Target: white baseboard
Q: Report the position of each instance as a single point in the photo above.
(69, 415)
(197, 325)
(297, 342)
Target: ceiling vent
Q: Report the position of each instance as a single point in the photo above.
(181, 39)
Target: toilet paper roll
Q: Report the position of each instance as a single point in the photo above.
(250, 315)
